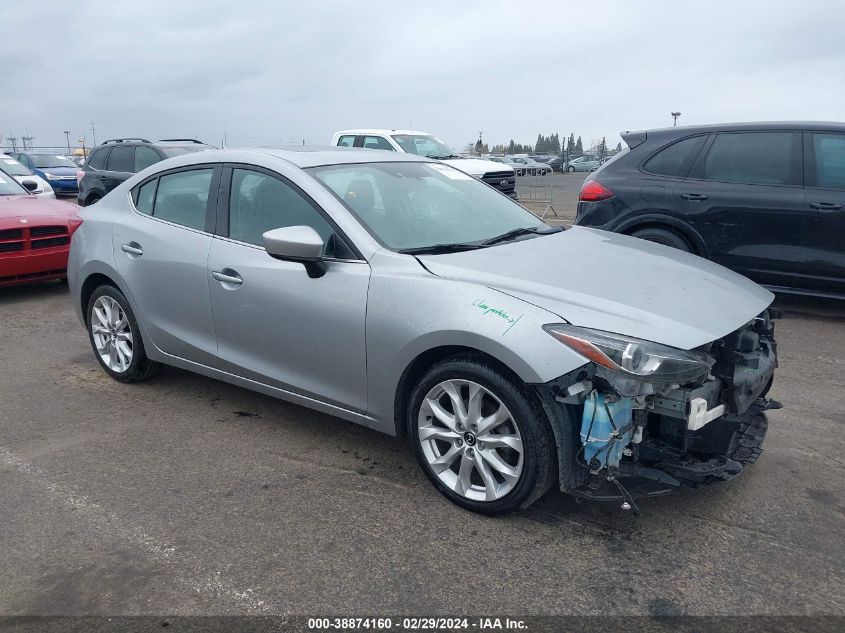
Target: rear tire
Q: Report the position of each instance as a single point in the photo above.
(115, 336)
(570, 169)
(491, 458)
(662, 236)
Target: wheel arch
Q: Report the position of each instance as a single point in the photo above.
(666, 222)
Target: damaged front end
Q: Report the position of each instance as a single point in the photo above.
(658, 415)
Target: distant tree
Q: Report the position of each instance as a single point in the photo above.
(511, 147)
(570, 144)
(619, 147)
(485, 149)
(554, 144)
(579, 147)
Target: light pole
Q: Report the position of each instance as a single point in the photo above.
(675, 116)
(67, 138)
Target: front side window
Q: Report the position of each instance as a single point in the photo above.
(423, 145)
(377, 142)
(182, 197)
(45, 161)
(121, 159)
(413, 205)
(676, 159)
(144, 157)
(829, 153)
(756, 158)
(347, 140)
(259, 202)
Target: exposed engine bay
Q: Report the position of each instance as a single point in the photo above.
(670, 417)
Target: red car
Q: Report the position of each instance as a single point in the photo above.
(34, 235)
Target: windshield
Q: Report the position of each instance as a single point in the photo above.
(13, 167)
(417, 205)
(10, 187)
(423, 145)
(45, 161)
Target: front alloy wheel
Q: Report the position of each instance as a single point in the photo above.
(470, 440)
(481, 435)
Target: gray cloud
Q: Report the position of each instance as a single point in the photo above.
(265, 71)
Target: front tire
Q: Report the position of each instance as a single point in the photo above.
(570, 169)
(480, 436)
(115, 337)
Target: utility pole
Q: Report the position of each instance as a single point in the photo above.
(675, 116)
(25, 139)
(93, 133)
(14, 141)
(67, 138)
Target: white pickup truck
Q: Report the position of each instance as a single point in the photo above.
(497, 175)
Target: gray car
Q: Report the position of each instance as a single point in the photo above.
(407, 296)
(582, 164)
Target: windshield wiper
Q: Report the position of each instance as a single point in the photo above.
(436, 249)
(523, 230)
(441, 156)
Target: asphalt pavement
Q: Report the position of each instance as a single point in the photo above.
(184, 495)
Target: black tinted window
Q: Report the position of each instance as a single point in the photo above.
(829, 169)
(144, 197)
(757, 158)
(97, 160)
(182, 197)
(676, 159)
(259, 203)
(377, 142)
(121, 159)
(144, 157)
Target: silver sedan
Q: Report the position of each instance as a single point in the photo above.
(405, 295)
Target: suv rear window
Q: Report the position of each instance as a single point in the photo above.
(97, 160)
(755, 158)
(121, 159)
(676, 159)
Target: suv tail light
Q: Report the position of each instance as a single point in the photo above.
(593, 191)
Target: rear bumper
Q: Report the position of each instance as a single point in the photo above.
(27, 267)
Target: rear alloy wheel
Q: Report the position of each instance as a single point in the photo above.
(480, 438)
(662, 236)
(115, 337)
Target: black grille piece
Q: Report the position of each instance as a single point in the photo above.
(50, 241)
(10, 247)
(39, 231)
(11, 234)
(504, 181)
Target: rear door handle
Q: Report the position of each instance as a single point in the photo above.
(234, 279)
(133, 248)
(693, 196)
(826, 206)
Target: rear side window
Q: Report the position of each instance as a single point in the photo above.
(676, 159)
(182, 197)
(97, 160)
(828, 172)
(347, 140)
(121, 159)
(144, 157)
(145, 196)
(755, 158)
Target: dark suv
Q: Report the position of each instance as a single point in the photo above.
(115, 160)
(764, 199)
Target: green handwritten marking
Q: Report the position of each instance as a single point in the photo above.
(486, 309)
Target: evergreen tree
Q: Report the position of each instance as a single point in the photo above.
(619, 147)
(579, 147)
(554, 144)
(511, 147)
(570, 145)
(603, 147)
(541, 143)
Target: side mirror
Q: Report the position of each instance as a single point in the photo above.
(297, 244)
(30, 185)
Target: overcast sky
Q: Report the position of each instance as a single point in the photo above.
(269, 71)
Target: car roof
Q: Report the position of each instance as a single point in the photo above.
(302, 156)
(382, 131)
(736, 127)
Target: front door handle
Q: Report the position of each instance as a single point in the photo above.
(826, 206)
(693, 196)
(232, 278)
(133, 248)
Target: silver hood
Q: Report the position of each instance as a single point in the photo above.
(615, 283)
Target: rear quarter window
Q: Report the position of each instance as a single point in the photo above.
(676, 159)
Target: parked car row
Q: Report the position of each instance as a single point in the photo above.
(31, 181)
(766, 200)
(57, 170)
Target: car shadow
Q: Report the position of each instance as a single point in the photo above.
(14, 294)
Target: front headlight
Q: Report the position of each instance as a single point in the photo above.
(630, 360)
(51, 176)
